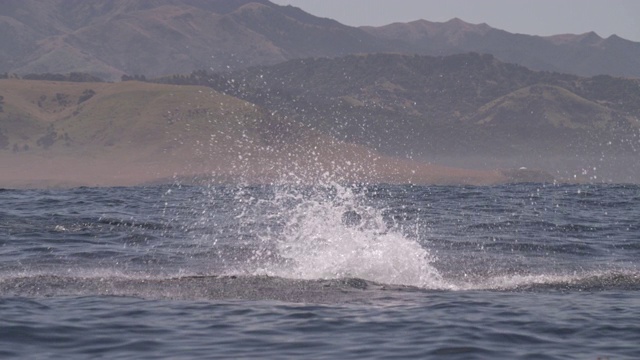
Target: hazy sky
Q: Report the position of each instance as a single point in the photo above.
(535, 17)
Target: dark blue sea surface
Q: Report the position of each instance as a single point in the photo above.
(535, 271)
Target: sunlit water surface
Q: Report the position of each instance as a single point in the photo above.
(516, 271)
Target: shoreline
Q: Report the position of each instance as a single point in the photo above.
(49, 172)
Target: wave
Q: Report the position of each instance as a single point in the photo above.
(592, 281)
(332, 231)
(329, 243)
(261, 287)
(190, 287)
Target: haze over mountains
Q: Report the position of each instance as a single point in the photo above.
(584, 54)
(161, 37)
(252, 89)
(470, 109)
(71, 134)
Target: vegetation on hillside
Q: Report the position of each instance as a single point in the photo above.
(422, 107)
(404, 104)
(71, 77)
(162, 37)
(131, 132)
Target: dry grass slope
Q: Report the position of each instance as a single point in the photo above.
(104, 134)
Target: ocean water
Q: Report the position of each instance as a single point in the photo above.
(515, 271)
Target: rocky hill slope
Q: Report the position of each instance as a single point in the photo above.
(583, 54)
(111, 38)
(163, 37)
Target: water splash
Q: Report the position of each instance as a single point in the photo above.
(327, 231)
(333, 233)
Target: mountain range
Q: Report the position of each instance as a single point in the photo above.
(249, 91)
(162, 37)
(466, 109)
(584, 54)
